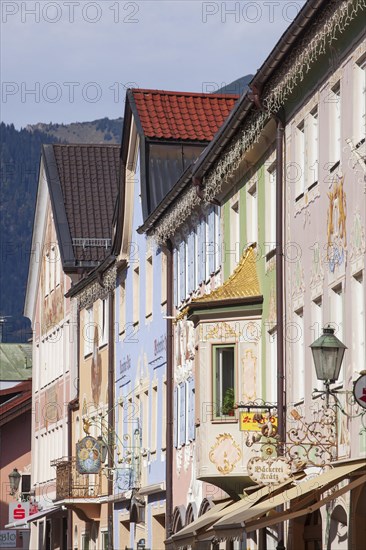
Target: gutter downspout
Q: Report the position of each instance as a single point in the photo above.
(281, 401)
(111, 416)
(169, 396)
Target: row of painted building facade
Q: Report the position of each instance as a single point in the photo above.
(229, 246)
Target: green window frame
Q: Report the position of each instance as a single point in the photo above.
(224, 379)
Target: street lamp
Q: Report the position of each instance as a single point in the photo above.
(328, 353)
(14, 480)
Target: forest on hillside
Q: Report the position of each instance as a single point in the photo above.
(19, 164)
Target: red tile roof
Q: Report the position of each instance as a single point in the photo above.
(182, 115)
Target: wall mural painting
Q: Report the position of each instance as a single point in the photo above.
(249, 375)
(336, 225)
(357, 244)
(317, 270)
(96, 368)
(225, 453)
(220, 331)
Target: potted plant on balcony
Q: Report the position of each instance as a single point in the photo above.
(228, 403)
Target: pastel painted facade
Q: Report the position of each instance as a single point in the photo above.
(325, 279)
(51, 318)
(140, 378)
(62, 251)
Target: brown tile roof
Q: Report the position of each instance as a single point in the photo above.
(88, 177)
(20, 401)
(181, 115)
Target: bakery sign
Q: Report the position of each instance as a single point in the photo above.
(269, 472)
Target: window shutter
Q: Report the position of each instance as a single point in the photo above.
(182, 270)
(175, 260)
(182, 414)
(175, 417)
(211, 241)
(191, 254)
(199, 253)
(191, 410)
(217, 239)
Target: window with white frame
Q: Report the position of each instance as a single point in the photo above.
(182, 260)
(336, 317)
(270, 207)
(316, 330)
(312, 148)
(223, 380)
(122, 306)
(335, 146)
(103, 321)
(217, 238)
(358, 322)
(235, 234)
(271, 377)
(52, 258)
(164, 264)
(163, 433)
(154, 418)
(57, 266)
(136, 295)
(298, 366)
(47, 274)
(359, 101)
(88, 330)
(300, 159)
(105, 540)
(85, 541)
(191, 260)
(252, 214)
(149, 287)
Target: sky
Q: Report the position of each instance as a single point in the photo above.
(71, 61)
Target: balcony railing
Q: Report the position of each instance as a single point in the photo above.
(71, 484)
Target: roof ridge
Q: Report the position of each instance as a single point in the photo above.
(187, 94)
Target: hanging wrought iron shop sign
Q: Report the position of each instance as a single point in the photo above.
(88, 456)
(258, 422)
(269, 472)
(359, 391)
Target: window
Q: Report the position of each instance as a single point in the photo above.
(85, 541)
(252, 214)
(136, 295)
(235, 234)
(272, 363)
(191, 251)
(176, 276)
(57, 266)
(88, 331)
(149, 287)
(334, 100)
(164, 264)
(336, 318)
(217, 239)
(270, 222)
(312, 154)
(190, 410)
(300, 158)
(47, 274)
(358, 320)
(103, 322)
(163, 434)
(316, 330)
(122, 306)
(182, 271)
(52, 259)
(105, 540)
(298, 365)
(359, 120)
(145, 419)
(154, 418)
(223, 380)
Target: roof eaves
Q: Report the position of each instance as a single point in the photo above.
(58, 207)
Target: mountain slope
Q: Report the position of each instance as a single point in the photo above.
(19, 164)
